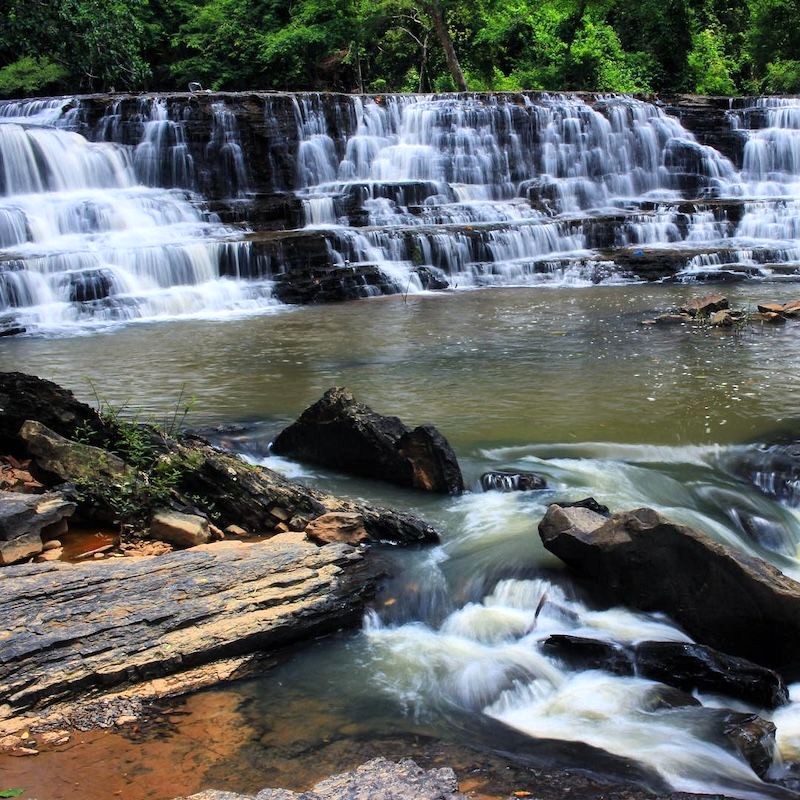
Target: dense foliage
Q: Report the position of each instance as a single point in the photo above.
(705, 46)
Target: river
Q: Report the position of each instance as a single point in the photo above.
(563, 381)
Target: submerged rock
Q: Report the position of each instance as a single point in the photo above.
(378, 779)
(503, 480)
(23, 517)
(340, 433)
(706, 305)
(721, 597)
(774, 470)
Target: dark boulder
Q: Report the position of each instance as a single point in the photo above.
(683, 665)
(721, 597)
(753, 737)
(581, 653)
(24, 397)
(340, 433)
(697, 667)
(506, 480)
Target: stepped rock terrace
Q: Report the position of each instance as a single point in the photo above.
(121, 208)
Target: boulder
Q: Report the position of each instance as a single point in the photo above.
(24, 397)
(693, 667)
(683, 665)
(753, 737)
(68, 460)
(503, 480)
(180, 530)
(340, 433)
(706, 305)
(22, 519)
(337, 527)
(721, 597)
(261, 501)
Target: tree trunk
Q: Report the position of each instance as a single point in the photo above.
(437, 17)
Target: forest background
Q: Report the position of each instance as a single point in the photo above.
(700, 46)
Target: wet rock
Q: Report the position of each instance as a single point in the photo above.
(753, 737)
(214, 602)
(263, 502)
(642, 560)
(706, 305)
(24, 397)
(664, 697)
(672, 319)
(767, 317)
(685, 666)
(431, 278)
(340, 433)
(22, 518)
(696, 667)
(774, 470)
(582, 653)
(378, 779)
(337, 527)
(502, 480)
(721, 319)
(180, 530)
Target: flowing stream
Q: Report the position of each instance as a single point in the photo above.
(546, 368)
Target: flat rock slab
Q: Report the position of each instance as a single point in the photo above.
(70, 629)
(379, 778)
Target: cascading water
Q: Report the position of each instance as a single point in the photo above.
(101, 219)
(495, 191)
(88, 237)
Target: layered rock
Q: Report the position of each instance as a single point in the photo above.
(340, 433)
(23, 518)
(97, 626)
(721, 597)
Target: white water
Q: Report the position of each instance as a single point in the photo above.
(88, 238)
(503, 190)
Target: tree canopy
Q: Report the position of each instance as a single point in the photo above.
(703, 46)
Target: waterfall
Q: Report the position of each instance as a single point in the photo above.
(93, 232)
(105, 205)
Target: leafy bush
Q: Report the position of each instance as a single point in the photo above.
(30, 75)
